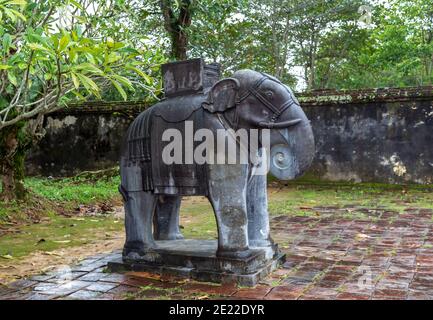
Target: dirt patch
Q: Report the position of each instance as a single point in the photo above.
(31, 211)
(35, 209)
(40, 262)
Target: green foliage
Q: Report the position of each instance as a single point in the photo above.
(319, 44)
(242, 34)
(49, 60)
(396, 51)
(54, 53)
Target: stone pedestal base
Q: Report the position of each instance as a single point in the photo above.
(196, 259)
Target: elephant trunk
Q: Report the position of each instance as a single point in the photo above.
(292, 148)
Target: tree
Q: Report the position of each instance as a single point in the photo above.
(404, 42)
(324, 39)
(177, 18)
(242, 34)
(396, 51)
(50, 57)
(278, 36)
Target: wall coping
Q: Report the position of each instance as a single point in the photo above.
(103, 107)
(328, 97)
(341, 97)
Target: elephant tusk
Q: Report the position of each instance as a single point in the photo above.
(279, 125)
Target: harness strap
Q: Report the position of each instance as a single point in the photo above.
(253, 90)
(263, 100)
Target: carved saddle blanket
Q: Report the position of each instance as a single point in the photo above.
(143, 166)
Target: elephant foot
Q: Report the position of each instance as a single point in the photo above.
(260, 243)
(243, 254)
(179, 236)
(267, 246)
(142, 254)
(171, 236)
(135, 257)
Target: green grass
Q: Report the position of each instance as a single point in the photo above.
(3, 213)
(154, 292)
(198, 219)
(47, 195)
(57, 232)
(46, 199)
(75, 190)
(297, 199)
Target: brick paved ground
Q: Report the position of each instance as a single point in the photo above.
(349, 253)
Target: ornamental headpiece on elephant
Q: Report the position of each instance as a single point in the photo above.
(152, 188)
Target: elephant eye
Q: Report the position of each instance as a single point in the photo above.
(269, 94)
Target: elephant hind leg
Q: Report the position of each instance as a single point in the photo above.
(166, 218)
(139, 209)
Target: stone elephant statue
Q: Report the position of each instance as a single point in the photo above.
(152, 189)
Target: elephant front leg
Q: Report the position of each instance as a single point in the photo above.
(258, 217)
(166, 218)
(139, 208)
(227, 194)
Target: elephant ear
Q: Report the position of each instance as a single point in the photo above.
(222, 95)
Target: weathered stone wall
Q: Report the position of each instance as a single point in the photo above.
(84, 138)
(378, 135)
(383, 135)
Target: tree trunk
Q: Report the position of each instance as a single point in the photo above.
(176, 25)
(12, 165)
(179, 44)
(312, 73)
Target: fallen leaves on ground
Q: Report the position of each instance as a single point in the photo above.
(361, 237)
(144, 275)
(95, 210)
(39, 261)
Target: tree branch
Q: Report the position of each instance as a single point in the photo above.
(185, 18)
(168, 15)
